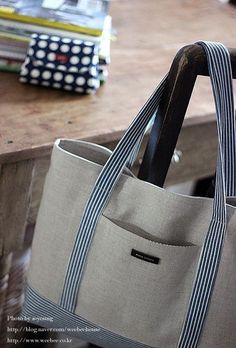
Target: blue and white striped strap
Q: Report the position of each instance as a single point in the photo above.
(221, 77)
(100, 194)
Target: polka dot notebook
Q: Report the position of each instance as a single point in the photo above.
(62, 63)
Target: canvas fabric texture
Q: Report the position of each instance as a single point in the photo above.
(134, 303)
(144, 301)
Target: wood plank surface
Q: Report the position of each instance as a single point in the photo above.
(149, 33)
(15, 191)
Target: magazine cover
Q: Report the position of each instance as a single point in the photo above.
(79, 16)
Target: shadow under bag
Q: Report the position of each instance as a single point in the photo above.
(122, 263)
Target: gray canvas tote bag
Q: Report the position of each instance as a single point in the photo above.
(122, 263)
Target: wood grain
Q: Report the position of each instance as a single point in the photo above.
(41, 166)
(198, 145)
(15, 187)
(149, 33)
(5, 266)
(188, 64)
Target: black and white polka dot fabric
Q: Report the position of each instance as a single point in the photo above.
(62, 63)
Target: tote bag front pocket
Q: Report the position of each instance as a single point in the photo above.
(117, 286)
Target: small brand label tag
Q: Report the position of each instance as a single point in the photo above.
(145, 257)
(62, 58)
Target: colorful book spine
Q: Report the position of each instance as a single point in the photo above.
(13, 16)
(28, 29)
(10, 65)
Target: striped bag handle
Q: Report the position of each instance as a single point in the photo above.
(221, 77)
(220, 72)
(100, 194)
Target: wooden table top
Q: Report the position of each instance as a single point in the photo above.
(149, 33)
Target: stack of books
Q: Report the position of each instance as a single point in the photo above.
(76, 19)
